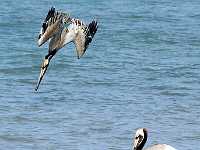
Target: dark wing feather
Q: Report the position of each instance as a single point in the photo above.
(50, 14)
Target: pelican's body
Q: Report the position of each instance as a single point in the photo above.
(160, 147)
(61, 30)
(141, 138)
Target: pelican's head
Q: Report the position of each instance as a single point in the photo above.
(140, 139)
(51, 26)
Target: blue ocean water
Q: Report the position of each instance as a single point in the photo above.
(141, 70)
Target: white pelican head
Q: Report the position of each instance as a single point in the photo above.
(140, 138)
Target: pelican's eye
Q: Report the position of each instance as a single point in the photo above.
(138, 137)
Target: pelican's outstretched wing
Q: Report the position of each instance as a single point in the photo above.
(84, 36)
(53, 24)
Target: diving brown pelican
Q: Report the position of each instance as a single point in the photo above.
(141, 138)
(61, 29)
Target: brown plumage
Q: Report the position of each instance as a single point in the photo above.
(61, 30)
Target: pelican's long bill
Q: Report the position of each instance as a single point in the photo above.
(43, 70)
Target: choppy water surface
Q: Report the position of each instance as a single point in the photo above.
(142, 70)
